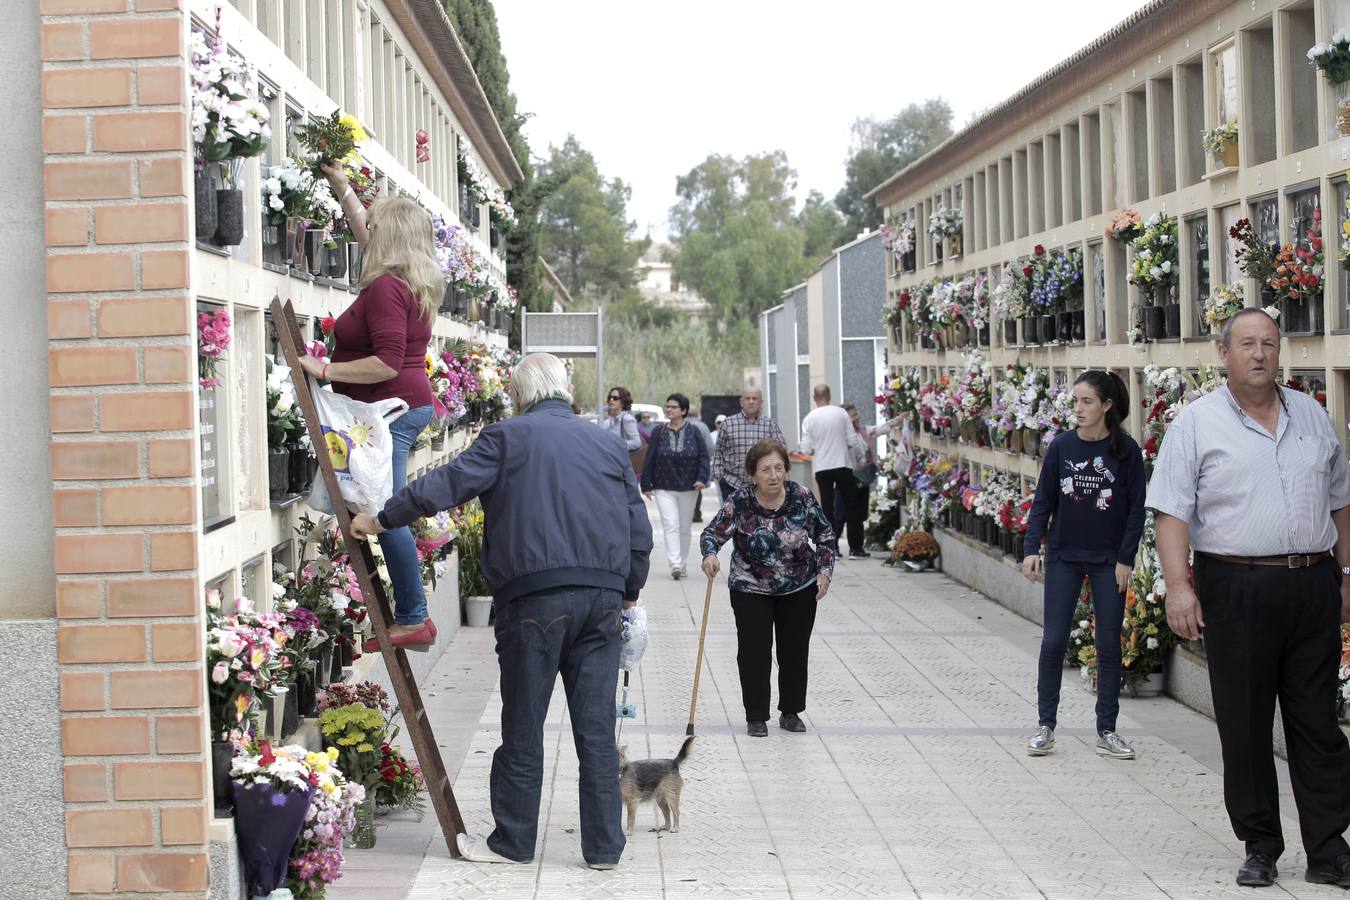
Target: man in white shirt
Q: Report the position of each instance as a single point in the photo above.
(829, 439)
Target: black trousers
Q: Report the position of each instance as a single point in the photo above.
(842, 482)
(1273, 632)
(759, 617)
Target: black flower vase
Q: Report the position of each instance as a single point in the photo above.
(229, 217)
(1049, 326)
(447, 301)
(1155, 322)
(353, 263)
(297, 467)
(1172, 320)
(335, 662)
(348, 645)
(222, 754)
(204, 194)
(1031, 329)
(290, 716)
(314, 252)
(1079, 325)
(1009, 332)
(1065, 332)
(306, 699)
(278, 473)
(335, 261)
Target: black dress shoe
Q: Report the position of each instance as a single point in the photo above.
(757, 729)
(1337, 873)
(1258, 871)
(792, 722)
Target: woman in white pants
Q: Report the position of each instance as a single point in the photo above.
(677, 468)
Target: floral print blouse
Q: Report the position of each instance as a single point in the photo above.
(775, 551)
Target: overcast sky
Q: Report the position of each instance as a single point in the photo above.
(652, 88)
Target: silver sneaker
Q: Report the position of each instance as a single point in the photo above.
(1110, 744)
(1042, 742)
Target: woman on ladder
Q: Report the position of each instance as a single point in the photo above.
(1091, 493)
(781, 563)
(380, 351)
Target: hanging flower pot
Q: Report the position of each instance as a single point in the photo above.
(1155, 322)
(297, 467)
(278, 474)
(204, 197)
(1009, 332)
(494, 237)
(229, 218)
(1172, 320)
(1064, 334)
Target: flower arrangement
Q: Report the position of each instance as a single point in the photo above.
(401, 783)
(944, 303)
(330, 139)
(1054, 414)
(285, 424)
(1034, 391)
(898, 239)
(945, 222)
(1253, 257)
(484, 191)
(356, 731)
(935, 403)
(916, 546)
(316, 857)
(213, 339)
(229, 121)
(1064, 279)
(365, 693)
(1146, 637)
(1313, 385)
(1215, 139)
(900, 395)
(287, 191)
(1224, 301)
(433, 536)
(1009, 298)
(975, 293)
(1082, 647)
(327, 585)
(469, 528)
(1155, 253)
(1001, 417)
(1044, 294)
(1167, 391)
(1125, 226)
(970, 397)
(244, 657)
(1299, 266)
(1332, 58)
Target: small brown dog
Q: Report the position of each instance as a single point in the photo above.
(653, 779)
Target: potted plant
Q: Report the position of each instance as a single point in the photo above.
(272, 794)
(1044, 295)
(1298, 279)
(946, 224)
(356, 732)
(1333, 59)
(230, 123)
(283, 421)
(1221, 144)
(474, 592)
(1223, 302)
(287, 203)
(1154, 270)
(915, 550)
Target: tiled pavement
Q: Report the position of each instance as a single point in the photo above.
(911, 781)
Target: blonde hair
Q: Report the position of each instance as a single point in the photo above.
(401, 244)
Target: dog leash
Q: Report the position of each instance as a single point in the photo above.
(698, 665)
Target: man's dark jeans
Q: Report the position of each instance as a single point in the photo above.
(575, 632)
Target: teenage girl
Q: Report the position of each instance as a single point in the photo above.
(1091, 496)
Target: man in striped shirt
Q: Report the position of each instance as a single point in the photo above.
(735, 438)
(1253, 478)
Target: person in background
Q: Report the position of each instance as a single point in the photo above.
(566, 543)
(645, 426)
(379, 352)
(1253, 479)
(829, 439)
(1091, 495)
(855, 508)
(619, 421)
(781, 563)
(676, 469)
(717, 428)
(736, 435)
(695, 419)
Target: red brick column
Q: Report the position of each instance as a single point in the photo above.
(125, 511)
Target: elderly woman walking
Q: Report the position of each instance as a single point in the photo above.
(781, 564)
(676, 470)
(566, 541)
(380, 353)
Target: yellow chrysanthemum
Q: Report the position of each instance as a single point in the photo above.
(327, 787)
(365, 748)
(332, 754)
(350, 122)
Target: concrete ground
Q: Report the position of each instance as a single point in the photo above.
(911, 781)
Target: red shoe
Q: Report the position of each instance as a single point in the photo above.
(420, 640)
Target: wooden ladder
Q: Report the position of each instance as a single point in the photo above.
(363, 564)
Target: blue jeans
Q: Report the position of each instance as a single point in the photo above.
(1063, 581)
(397, 544)
(573, 631)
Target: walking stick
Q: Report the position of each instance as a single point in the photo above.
(698, 666)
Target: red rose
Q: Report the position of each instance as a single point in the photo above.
(1039, 251)
(327, 323)
(1151, 445)
(266, 758)
(1027, 271)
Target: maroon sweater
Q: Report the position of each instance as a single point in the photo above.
(385, 321)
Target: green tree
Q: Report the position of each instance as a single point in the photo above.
(585, 233)
(735, 238)
(820, 223)
(879, 149)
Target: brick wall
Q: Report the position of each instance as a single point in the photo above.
(125, 509)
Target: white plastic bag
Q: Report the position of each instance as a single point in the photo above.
(361, 448)
(633, 638)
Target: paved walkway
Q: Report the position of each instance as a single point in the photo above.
(911, 781)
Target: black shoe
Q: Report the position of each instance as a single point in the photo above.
(1258, 871)
(757, 729)
(1337, 873)
(859, 554)
(792, 722)
(698, 517)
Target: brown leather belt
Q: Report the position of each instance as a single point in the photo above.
(1289, 561)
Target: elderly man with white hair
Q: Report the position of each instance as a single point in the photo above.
(566, 542)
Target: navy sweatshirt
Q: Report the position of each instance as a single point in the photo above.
(1094, 502)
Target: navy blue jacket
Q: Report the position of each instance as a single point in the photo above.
(560, 504)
